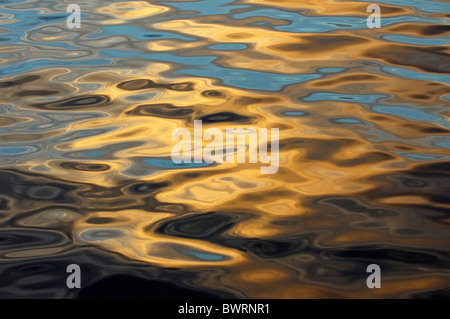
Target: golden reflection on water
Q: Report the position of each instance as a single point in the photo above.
(363, 148)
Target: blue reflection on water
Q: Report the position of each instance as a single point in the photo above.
(203, 256)
(330, 96)
(169, 164)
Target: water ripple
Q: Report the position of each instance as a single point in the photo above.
(85, 149)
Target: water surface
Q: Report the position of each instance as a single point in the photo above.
(85, 149)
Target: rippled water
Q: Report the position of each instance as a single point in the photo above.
(87, 178)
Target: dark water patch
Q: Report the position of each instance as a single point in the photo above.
(366, 158)
(409, 231)
(320, 42)
(52, 17)
(443, 293)
(131, 287)
(171, 208)
(409, 183)
(280, 247)
(4, 204)
(35, 93)
(402, 255)
(16, 186)
(19, 81)
(95, 191)
(11, 240)
(134, 85)
(43, 192)
(100, 220)
(225, 117)
(369, 225)
(354, 206)
(198, 226)
(420, 96)
(75, 102)
(42, 279)
(46, 276)
(441, 199)
(276, 248)
(440, 216)
(147, 187)
(143, 84)
(436, 29)
(163, 110)
(435, 130)
(432, 59)
(426, 128)
(85, 167)
(433, 168)
(213, 93)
